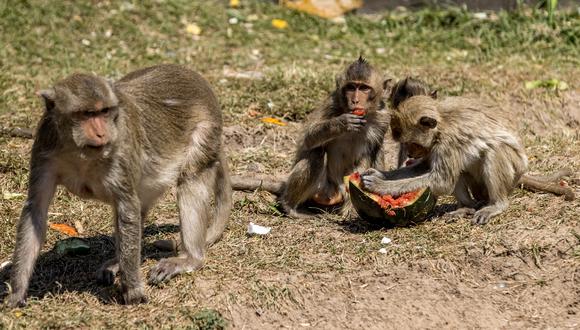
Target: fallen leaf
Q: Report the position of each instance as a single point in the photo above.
(193, 29)
(9, 195)
(64, 228)
(553, 84)
(274, 121)
(279, 23)
(18, 314)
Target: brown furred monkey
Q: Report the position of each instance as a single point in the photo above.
(125, 143)
(465, 148)
(343, 135)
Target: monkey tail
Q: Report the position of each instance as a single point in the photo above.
(549, 184)
(269, 184)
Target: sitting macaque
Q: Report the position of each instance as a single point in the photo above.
(463, 147)
(343, 135)
(125, 143)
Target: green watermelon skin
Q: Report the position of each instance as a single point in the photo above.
(369, 209)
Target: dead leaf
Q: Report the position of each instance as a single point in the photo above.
(64, 228)
(274, 121)
(193, 29)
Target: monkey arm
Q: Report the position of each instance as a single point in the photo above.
(439, 176)
(320, 133)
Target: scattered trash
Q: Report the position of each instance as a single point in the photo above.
(553, 84)
(480, 15)
(18, 314)
(73, 246)
(323, 8)
(64, 228)
(383, 250)
(500, 286)
(254, 229)
(233, 20)
(386, 240)
(234, 3)
(279, 23)
(274, 121)
(193, 29)
(9, 195)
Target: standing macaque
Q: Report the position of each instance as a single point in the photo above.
(343, 135)
(464, 147)
(124, 144)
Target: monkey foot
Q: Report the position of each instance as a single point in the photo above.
(326, 200)
(106, 273)
(461, 212)
(16, 300)
(170, 267)
(134, 296)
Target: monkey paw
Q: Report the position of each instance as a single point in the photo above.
(373, 184)
(106, 273)
(133, 296)
(461, 212)
(482, 216)
(373, 172)
(16, 300)
(170, 267)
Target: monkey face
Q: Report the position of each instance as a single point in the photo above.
(357, 95)
(414, 124)
(86, 110)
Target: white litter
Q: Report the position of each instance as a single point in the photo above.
(383, 250)
(254, 229)
(386, 240)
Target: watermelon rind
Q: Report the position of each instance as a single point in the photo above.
(369, 209)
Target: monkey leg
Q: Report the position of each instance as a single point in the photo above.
(194, 194)
(465, 203)
(222, 190)
(498, 180)
(303, 182)
(30, 233)
(128, 233)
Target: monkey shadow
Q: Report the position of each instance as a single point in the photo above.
(55, 274)
(358, 225)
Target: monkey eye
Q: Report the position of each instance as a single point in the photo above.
(364, 88)
(350, 87)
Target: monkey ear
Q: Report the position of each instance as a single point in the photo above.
(433, 94)
(48, 95)
(428, 122)
(387, 84)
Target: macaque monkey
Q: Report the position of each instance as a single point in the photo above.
(343, 135)
(124, 143)
(464, 147)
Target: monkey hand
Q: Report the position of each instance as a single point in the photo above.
(375, 184)
(374, 172)
(352, 122)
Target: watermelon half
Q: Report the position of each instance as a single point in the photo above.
(411, 207)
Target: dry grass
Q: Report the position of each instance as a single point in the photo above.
(521, 270)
